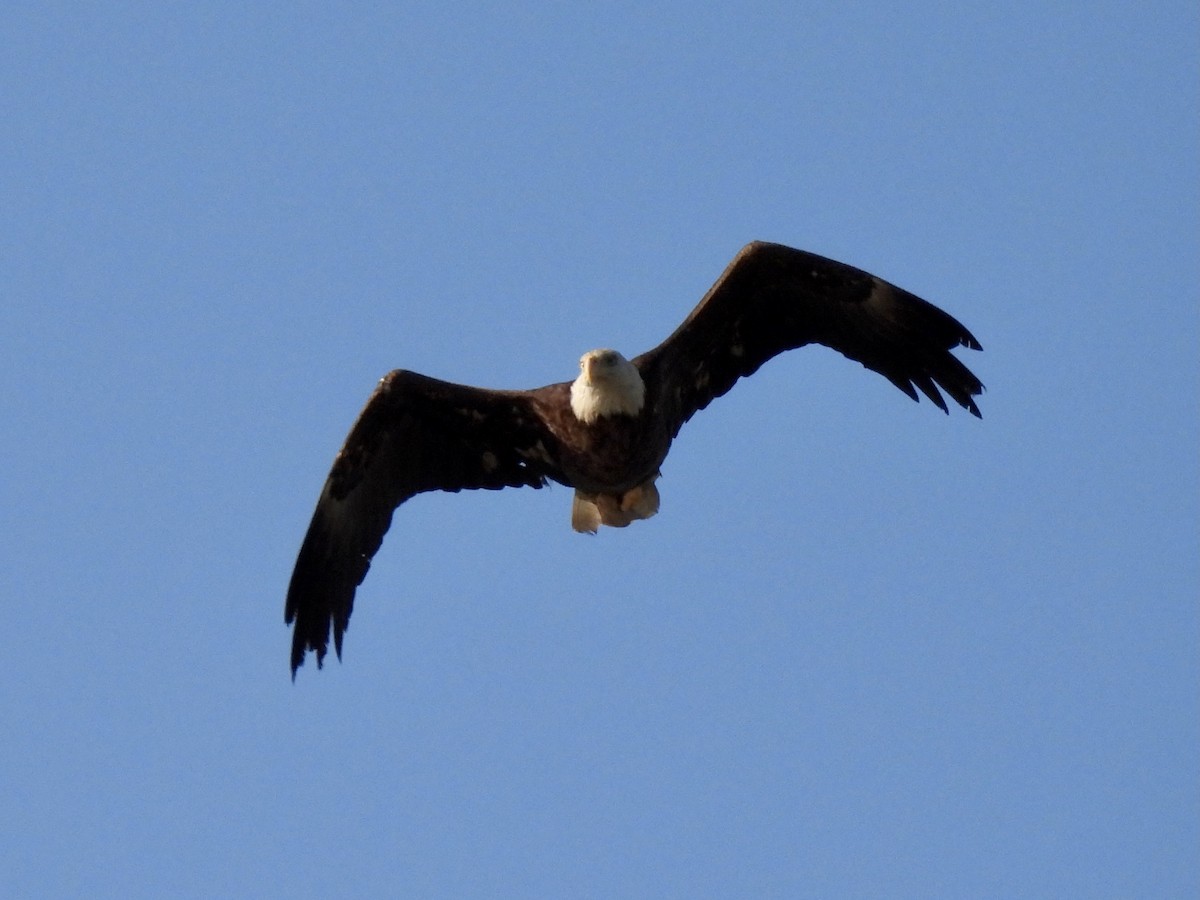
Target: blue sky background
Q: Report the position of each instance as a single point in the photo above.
(865, 650)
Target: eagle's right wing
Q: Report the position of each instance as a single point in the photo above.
(415, 434)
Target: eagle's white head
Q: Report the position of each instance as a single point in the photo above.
(608, 385)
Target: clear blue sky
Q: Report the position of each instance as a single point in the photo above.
(865, 650)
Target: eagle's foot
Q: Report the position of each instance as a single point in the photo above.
(590, 511)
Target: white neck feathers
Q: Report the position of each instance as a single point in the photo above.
(608, 385)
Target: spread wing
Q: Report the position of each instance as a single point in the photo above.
(772, 298)
(415, 434)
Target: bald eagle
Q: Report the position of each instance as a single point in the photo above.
(606, 433)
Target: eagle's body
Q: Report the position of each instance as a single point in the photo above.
(607, 433)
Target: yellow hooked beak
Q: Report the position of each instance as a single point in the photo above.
(597, 365)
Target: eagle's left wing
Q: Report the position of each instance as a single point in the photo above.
(772, 298)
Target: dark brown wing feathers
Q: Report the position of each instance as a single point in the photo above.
(772, 298)
(419, 434)
(415, 434)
